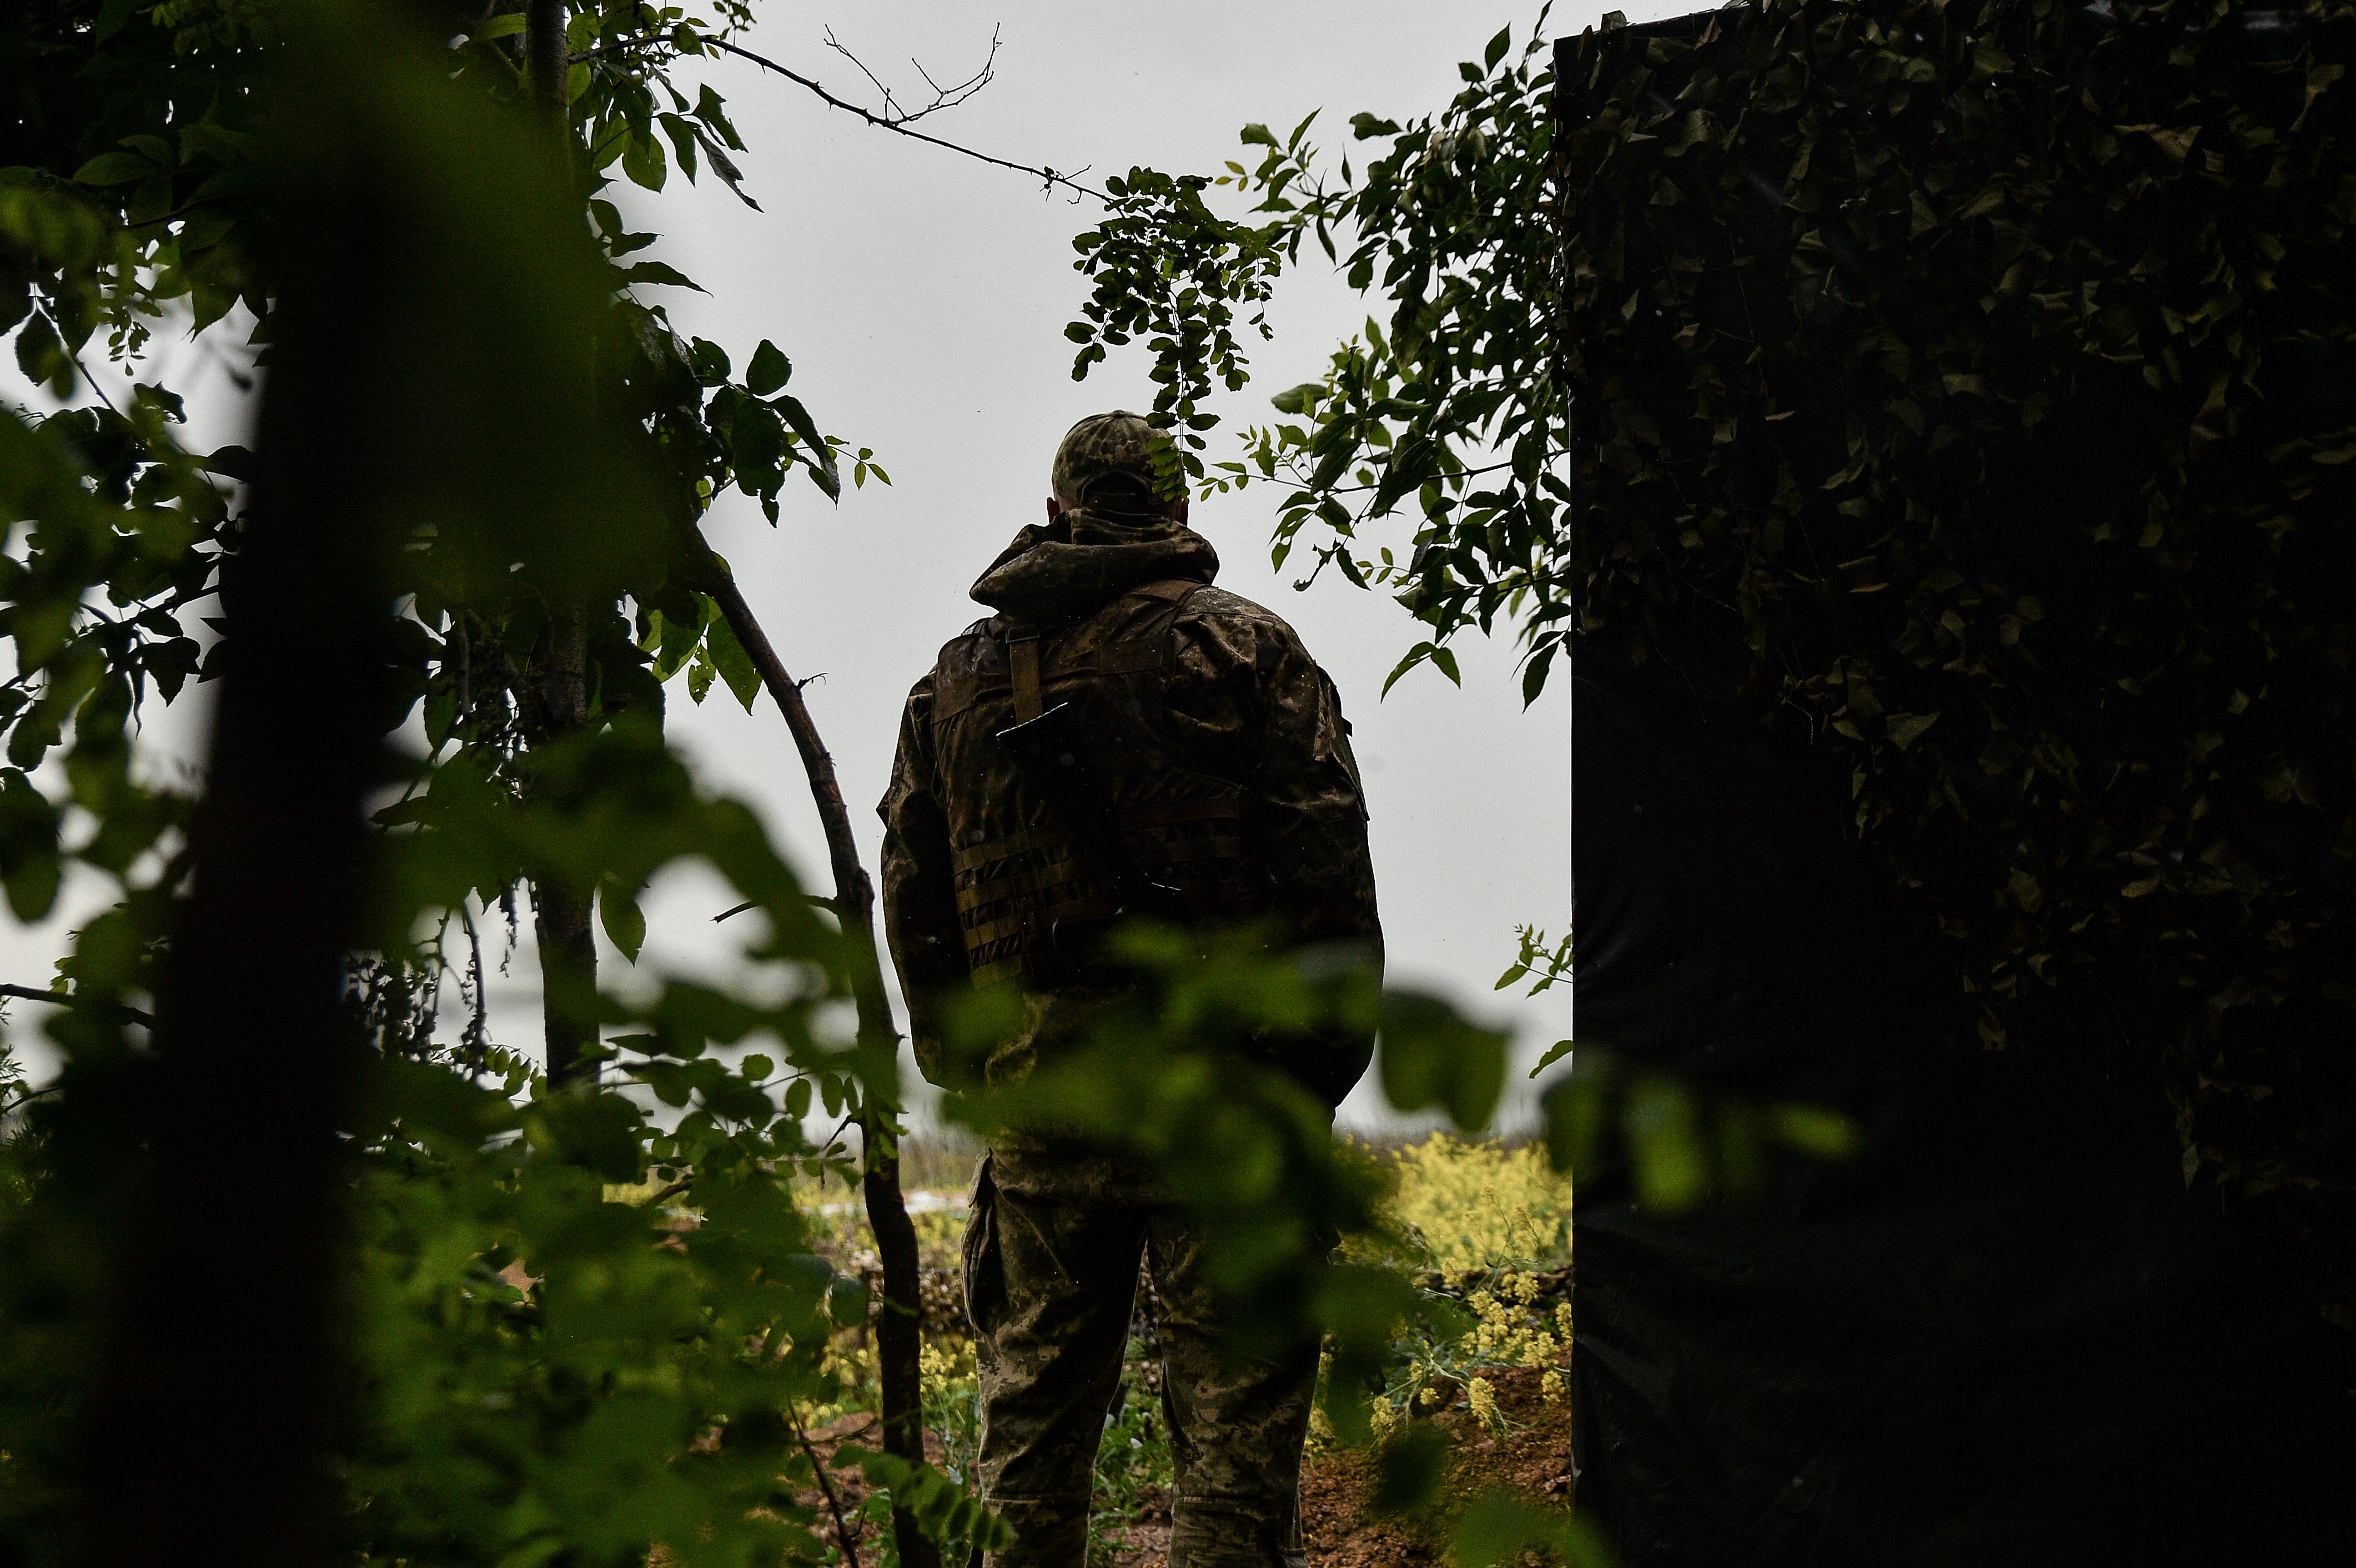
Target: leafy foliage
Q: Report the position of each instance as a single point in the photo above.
(1964, 385)
(1449, 408)
(137, 187)
(534, 1371)
(638, 1389)
(1202, 267)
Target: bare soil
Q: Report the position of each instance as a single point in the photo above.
(1343, 1529)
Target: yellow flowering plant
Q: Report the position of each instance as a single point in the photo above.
(1485, 1231)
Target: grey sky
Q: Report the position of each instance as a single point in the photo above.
(922, 298)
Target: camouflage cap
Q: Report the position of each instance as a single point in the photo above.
(1102, 444)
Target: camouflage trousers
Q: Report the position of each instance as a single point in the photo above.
(1052, 1248)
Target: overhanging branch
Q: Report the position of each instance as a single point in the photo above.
(896, 122)
(68, 999)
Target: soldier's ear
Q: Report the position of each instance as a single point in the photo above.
(1055, 508)
(1178, 511)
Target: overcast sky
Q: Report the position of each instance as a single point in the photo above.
(922, 298)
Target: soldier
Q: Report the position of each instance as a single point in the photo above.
(1217, 785)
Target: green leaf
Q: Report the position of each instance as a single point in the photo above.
(29, 861)
(1432, 1055)
(769, 370)
(505, 26)
(1298, 400)
(1499, 1529)
(683, 140)
(113, 168)
(1410, 1472)
(659, 272)
(709, 361)
(943, 1510)
(1553, 1053)
(625, 922)
(599, 1133)
(1905, 729)
(734, 665)
(756, 443)
(805, 428)
(115, 14)
(643, 161)
(1534, 673)
(1497, 47)
(1258, 135)
(1817, 1131)
(710, 108)
(40, 356)
(1670, 1161)
(1414, 656)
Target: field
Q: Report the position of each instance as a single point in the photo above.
(1488, 1237)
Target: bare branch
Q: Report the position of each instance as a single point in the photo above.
(892, 121)
(898, 115)
(842, 1531)
(950, 97)
(943, 97)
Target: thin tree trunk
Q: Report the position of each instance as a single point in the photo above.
(544, 63)
(898, 1327)
(561, 915)
(568, 946)
(210, 1434)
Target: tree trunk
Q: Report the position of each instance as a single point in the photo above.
(560, 915)
(544, 64)
(898, 1338)
(210, 1432)
(568, 946)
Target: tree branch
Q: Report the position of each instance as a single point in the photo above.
(943, 97)
(842, 1532)
(897, 1329)
(69, 999)
(822, 902)
(886, 122)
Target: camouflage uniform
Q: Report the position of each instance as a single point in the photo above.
(1222, 749)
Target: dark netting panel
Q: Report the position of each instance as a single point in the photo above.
(2005, 1333)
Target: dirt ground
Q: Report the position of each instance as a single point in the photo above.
(1342, 1531)
(1533, 1458)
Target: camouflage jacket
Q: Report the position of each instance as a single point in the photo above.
(1217, 739)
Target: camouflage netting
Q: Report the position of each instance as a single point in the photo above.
(1968, 386)
(1963, 580)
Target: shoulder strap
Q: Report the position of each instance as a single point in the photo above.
(1177, 590)
(1022, 668)
(1022, 643)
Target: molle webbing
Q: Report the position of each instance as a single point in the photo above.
(1013, 889)
(1022, 645)
(984, 854)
